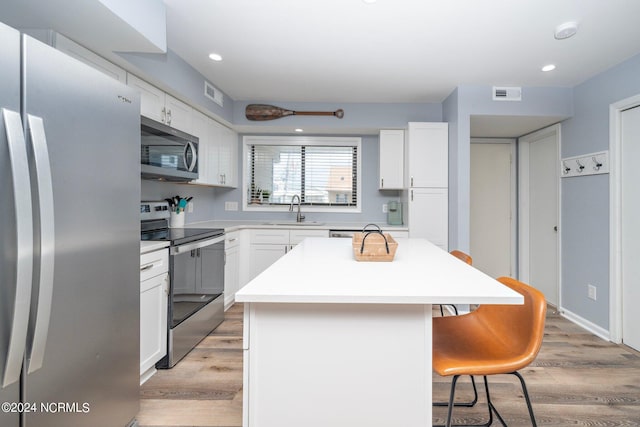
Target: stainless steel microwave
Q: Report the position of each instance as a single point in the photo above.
(167, 153)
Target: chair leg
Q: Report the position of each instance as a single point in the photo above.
(492, 408)
(464, 404)
(451, 404)
(526, 398)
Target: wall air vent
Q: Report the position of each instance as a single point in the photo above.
(212, 93)
(507, 93)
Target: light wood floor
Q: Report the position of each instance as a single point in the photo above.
(577, 380)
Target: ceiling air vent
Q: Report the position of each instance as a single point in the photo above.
(212, 93)
(507, 93)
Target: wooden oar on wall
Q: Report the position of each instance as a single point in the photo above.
(271, 112)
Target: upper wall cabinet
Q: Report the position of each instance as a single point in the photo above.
(160, 106)
(427, 155)
(391, 159)
(83, 54)
(218, 152)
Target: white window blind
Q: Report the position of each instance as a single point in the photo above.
(322, 175)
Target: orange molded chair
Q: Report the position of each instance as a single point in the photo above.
(494, 339)
(462, 257)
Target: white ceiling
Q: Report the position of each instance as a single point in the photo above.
(400, 51)
(396, 50)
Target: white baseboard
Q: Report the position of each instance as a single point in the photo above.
(585, 324)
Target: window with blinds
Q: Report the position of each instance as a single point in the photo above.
(323, 171)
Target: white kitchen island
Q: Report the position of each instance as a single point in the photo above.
(329, 341)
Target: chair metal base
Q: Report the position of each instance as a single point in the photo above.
(455, 309)
(470, 404)
(492, 408)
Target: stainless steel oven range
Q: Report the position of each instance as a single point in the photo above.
(196, 269)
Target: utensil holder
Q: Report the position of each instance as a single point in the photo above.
(176, 220)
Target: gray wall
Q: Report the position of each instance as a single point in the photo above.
(458, 108)
(585, 200)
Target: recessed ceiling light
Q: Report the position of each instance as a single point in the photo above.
(549, 67)
(299, 130)
(369, 1)
(215, 57)
(566, 30)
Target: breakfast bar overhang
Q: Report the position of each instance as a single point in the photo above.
(329, 341)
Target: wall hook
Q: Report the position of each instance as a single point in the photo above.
(580, 166)
(597, 164)
(565, 169)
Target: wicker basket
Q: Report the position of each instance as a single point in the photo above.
(374, 246)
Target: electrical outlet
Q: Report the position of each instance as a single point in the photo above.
(591, 292)
(384, 208)
(190, 206)
(230, 206)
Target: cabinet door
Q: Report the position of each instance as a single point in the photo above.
(297, 236)
(228, 157)
(391, 159)
(83, 54)
(178, 114)
(427, 155)
(151, 98)
(428, 215)
(231, 274)
(262, 256)
(200, 128)
(154, 302)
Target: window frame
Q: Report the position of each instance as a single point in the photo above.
(249, 140)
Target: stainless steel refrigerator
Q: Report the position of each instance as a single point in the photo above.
(69, 232)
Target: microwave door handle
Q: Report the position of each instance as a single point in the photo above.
(17, 150)
(189, 146)
(38, 141)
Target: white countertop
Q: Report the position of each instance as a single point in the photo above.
(324, 270)
(150, 246)
(311, 225)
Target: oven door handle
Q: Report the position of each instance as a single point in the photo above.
(195, 245)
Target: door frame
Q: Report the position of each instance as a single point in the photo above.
(523, 204)
(514, 195)
(615, 215)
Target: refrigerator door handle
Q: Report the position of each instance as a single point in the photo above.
(38, 142)
(24, 246)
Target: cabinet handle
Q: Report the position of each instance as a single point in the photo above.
(412, 181)
(381, 182)
(169, 117)
(164, 115)
(232, 240)
(412, 195)
(147, 267)
(285, 249)
(224, 178)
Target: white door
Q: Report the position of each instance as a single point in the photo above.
(630, 226)
(539, 212)
(492, 204)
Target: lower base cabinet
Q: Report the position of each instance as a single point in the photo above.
(231, 267)
(154, 302)
(268, 245)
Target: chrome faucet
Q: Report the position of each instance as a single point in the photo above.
(299, 217)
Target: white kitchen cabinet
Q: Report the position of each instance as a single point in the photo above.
(160, 106)
(218, 152)
(154, 302)
(391, 155)
(268, 245)
(83, 54)
(426, 162)
(427, 155)
(428, 215)
(231, 267)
